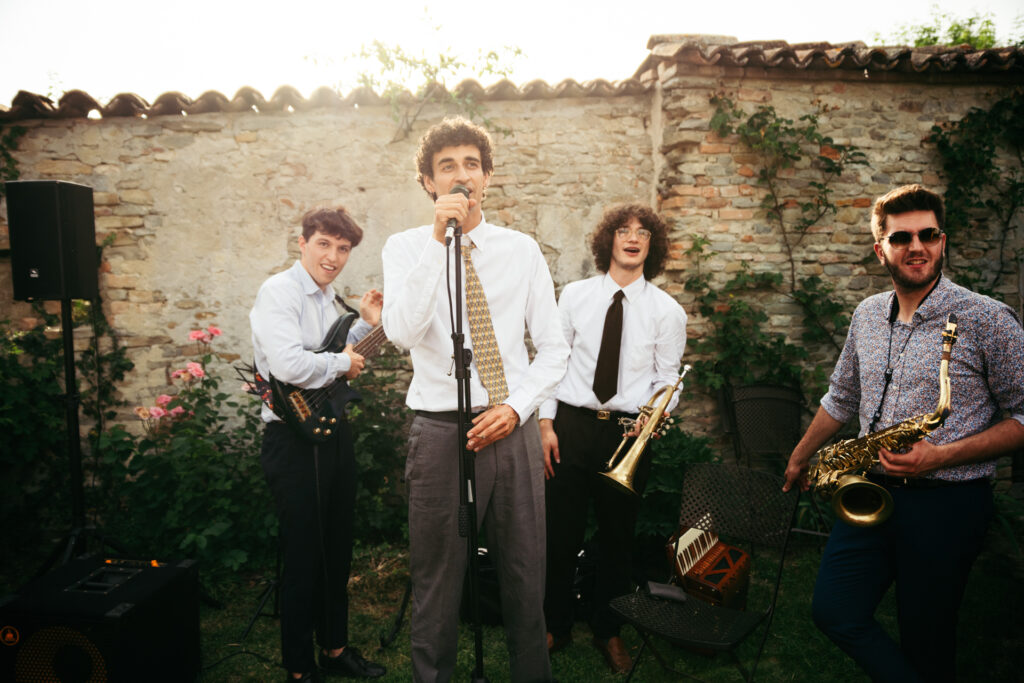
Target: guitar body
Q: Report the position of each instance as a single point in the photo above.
(314, 414)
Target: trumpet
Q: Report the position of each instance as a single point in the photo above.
(652, 416)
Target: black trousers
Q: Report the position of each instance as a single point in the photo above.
(585, 444)
(314, 490)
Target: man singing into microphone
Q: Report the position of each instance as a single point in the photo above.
(509, 291)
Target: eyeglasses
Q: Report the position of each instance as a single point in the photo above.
(901, 239)
(642, 234)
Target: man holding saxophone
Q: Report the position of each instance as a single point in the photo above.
(627, 339)
(887, 373)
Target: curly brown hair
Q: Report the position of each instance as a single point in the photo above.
(451, 132)
(616, 217)
(336, 222)
(902, 200)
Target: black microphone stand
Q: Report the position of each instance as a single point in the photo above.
(467, 465)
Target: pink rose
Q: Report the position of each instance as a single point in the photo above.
(195, 369)
(179, 373)
(163, 399)
(157, 412)
(176, 411)
(196, 335)
(214, 330)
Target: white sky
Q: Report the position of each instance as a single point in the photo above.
(110, 46)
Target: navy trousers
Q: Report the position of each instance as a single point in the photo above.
(314, 490)
(926, 548)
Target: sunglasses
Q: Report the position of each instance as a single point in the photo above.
(901, 239)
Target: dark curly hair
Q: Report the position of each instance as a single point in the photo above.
(451, 132)
(616, 217)
(335, 222)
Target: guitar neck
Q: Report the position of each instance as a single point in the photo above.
(371, 343)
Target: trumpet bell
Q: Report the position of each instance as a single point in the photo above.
(621, 478)
(860, 502)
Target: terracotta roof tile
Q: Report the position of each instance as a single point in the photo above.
(685, 52)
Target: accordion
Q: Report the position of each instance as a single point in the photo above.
(708, 569)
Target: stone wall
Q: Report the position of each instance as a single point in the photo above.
(202, 208)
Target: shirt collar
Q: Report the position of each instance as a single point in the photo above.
(481, 233)
(932, 305)
(633, 290)
(308, 284)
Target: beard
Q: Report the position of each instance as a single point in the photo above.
(913, 283)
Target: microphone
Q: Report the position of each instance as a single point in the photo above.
(449, 230)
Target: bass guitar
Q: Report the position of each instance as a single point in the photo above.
(314, 413)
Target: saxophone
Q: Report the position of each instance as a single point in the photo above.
(839, 471)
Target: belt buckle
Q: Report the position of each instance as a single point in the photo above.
(604, 415)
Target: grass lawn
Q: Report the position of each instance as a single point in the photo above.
(991, 634)
(991, 643)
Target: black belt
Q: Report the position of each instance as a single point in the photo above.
(445, 415)
(916, 482)
(604, 415)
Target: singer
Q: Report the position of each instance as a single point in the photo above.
(510, 287)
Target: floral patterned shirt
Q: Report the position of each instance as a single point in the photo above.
(986, 368)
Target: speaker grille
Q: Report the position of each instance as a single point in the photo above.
(60, 654)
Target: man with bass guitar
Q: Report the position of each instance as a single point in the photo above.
(312, 477)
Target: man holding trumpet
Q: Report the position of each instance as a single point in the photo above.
(627, 338)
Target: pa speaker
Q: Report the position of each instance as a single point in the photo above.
(53, 240)
(98, 620)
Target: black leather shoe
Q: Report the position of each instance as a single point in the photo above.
(351, 664)
(311, 677)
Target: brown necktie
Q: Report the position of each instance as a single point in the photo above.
(481, 331)
(606, 375)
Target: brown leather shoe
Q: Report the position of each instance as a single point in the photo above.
(615, 653)
(560, 643)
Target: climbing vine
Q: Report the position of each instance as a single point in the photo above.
(738, 348)
(8, 164)
(982, 157)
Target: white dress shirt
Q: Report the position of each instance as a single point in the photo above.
(653, 340)
(291, 316)
(520, 296)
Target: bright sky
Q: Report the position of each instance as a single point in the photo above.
(110, 46)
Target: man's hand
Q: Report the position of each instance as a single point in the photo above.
(638, 426)
(449, 206)
(370, 306)
(796, 473)
(491, 425)
(358, 362)
(549, 440)
(918, 460)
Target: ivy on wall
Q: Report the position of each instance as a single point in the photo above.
(739, 349)
(982, 157)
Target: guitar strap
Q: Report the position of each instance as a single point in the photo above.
(344, 305)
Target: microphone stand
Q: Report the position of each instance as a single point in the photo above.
(467, 465)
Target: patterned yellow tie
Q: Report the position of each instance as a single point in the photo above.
(485, 347)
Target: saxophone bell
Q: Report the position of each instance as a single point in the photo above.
(860, 502)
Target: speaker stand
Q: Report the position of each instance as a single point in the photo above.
(75, 543)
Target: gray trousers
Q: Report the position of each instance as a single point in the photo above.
(510, 502)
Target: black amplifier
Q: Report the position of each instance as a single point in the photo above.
(98, 619)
